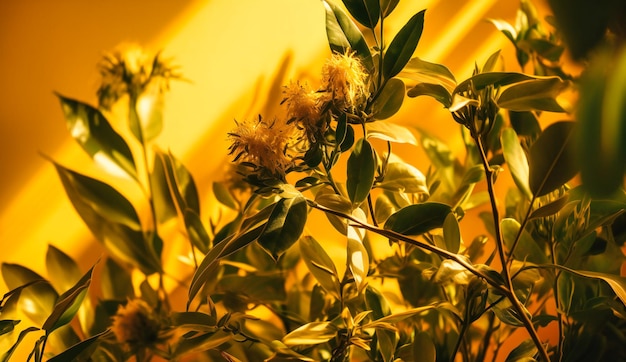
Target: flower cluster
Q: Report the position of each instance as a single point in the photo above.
(136, 325)
(263, 146)
(130, 70)
(272, 148)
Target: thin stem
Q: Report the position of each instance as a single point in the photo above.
(457, 346)
(557, 301)
(517, 305)
(520, 231)
(482, 349)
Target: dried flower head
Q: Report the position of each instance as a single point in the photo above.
(129, 70)
(303, 108)
(136, 324)
(344, 79)
(263, 145)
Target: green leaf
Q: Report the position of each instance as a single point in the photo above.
(94, 133)
(387, 6)
(505, 28)
(201, 343)
(525, 124)
(80, 351)
(551, 158)
(452, 233)
(38, 299)
(616, 282)
(403, 45)
(311, 333)
(182, 188)
(344, 35)
(601, 116)
(220, 190)
(320, 265)
(418, 218)
(391, 132)
(116, 282)
(68, 304)
(527, 248)
(550, 208)
(536, 94)
(251, 229)
(366, 12)
(437, 91)
(361, 170)
(284, 225)
(523, 352)
(404, 177)
(389, 100)
(7, 326)
(495, 79)
(491, 62)
(62, 269)
(91, 196)
(397, 317)
(432, 73)
(196, 231)
(516, 159)
(357, 259)
(111, 218)
(423, 348)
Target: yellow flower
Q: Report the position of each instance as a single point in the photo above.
(303, 107)
(129, 70)
(136, 324)
(262, 144)
(344, 79)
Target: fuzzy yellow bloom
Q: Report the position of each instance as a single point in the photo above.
(129, 70)
(303, 107)
(136, 324)
(262, 144)
(344, 80)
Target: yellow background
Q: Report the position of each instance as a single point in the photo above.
(233, 53)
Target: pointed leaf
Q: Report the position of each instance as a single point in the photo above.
(89, 195)
(344, 35)
(527, 248)
(361, 169)
(505, 28)
(365, 12)
(68, 304)
(320, 265)
(388, 131)
(389, 100)
(403, 45)
(551, 158)
(38, 299)
(80, 351)
(550, 208)
(516, 160)
(196, 231)
(427, 72)
(496, 79)
(357, 258)
(437, 91)
(111, 218)
(387, 6)
(311, 333)
(94, 133)
(180, 182)
(63, 270)
(452, 233)
(418, 218)
(536, 94)
(284, 225)
(404, 177)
